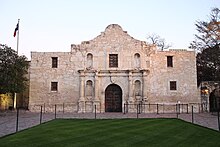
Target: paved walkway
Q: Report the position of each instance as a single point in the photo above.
(29, 119)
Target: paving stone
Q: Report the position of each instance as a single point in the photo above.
(29, 119)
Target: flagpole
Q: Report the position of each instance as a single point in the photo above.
(15, 96)
(18, 35)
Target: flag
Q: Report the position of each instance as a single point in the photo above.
(16, 29)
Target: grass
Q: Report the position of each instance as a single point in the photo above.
(113, 132)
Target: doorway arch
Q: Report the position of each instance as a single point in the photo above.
(113, 98)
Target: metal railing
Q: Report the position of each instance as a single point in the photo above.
(16, 120)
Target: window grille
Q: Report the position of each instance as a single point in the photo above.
(113, 60)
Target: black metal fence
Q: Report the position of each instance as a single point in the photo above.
(16, 120)
(156, 108)
(61, 107)
(127, 108)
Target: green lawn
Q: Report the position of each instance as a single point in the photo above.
(114, 132)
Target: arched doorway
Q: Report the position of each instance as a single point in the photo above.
(113, 98)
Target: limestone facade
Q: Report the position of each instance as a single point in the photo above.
(109, 70)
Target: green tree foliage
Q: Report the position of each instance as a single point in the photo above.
(207, 45)
(13, 71)
(208, 64)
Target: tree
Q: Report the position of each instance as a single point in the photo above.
(13, 69)
(158, 41)
(208, 32)
(207, 45)
(208, 64)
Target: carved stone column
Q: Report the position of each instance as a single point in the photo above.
(145, 86)
(82, 93)
(131, 88)
(97, 99)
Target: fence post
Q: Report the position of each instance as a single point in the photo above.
(63, 108)
(218, 121)
(17, 120)
(187, 109)
(177, 114)
(137, 110)
(55, 111)
(176, 108)
(40, 114)
(157, 109)
(95, 111)
(124, 108)
(192, 115)
(141, 107)
(179, 108)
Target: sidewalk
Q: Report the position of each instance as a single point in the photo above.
(203, 119)
(29, 119)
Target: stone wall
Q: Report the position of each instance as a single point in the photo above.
(42, 74)
(183, 72)
(142, 73)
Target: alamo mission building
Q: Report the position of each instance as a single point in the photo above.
(109, 71)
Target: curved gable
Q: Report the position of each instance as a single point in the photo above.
(113, 38)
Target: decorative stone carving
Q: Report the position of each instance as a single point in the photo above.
(137, 61)
(137, 88)
(89, 61)
(89, 88)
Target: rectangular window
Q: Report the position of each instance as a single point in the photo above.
(54, 86)
(54, 62)
(173, 85)
(113, 60)
(169, 61)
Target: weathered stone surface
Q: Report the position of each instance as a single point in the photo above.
(89, 61)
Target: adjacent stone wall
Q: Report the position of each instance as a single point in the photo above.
(183, 72)
(42, 74)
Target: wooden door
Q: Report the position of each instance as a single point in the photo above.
(113, 98)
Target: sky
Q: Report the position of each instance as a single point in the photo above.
(53, 25)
